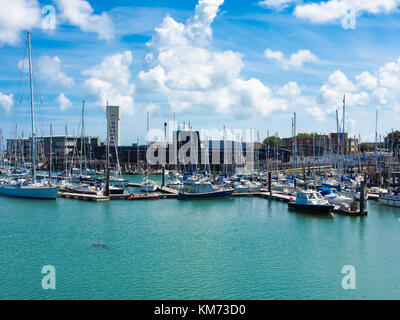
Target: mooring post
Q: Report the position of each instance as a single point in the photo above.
(107, 190)
(163, 176)
(269, 182)
(362, 195)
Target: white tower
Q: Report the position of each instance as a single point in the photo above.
(113, 125)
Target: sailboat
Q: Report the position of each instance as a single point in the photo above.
(24, 188)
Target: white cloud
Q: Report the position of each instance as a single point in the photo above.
(110, 82)
(277, 4)
(367, 80)
(184, 69)
(153, 109)
(6, 101)
(368, 90)
(330, 95)
(17, 16)
(48, 69)
(63, 102)
(80, 13)
(290, 90)
(334, 10)
(296, 59)
(317, 113)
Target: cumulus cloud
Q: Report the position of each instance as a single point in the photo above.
(296, 59)
(48, 69)
(6, 101)
(63, 102)
(17, 16)
(331, 94)
(184, 69)
(366, 90)
(80, 13)
(291, 90)
(334, 10)
(277, 4)
(367, 80)
(110, 81)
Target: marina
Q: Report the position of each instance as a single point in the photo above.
(199, 150)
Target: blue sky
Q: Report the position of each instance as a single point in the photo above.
(212, 69)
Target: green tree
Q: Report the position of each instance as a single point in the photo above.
(273, 140)
(364, 147)
(308, 135)
(395, 137)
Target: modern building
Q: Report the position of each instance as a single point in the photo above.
(113, 125)
(63, 148)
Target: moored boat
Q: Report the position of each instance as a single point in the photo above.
(202, 190)
(311, 201)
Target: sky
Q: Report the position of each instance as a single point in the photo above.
(212, 63)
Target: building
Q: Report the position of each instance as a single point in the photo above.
(308, 146)
(113, 125)
(64, 149)
(319, 144)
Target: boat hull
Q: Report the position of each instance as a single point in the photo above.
(220, 194)
(390, 202)
(48, 193)
(151, 188)
(311, 208)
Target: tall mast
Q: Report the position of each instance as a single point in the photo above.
(343, 140)
(83, 125)
(66, 153)
(32, 110)
(51, 152)
(1, 149)
(107, 189)
(376, 141)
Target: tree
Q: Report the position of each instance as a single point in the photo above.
(364, 147)
(308, 135)
(395, 137)
(273, 140)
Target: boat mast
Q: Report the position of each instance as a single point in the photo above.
(376, 141)
(82, 130)
(107, 190)
(50, 153)
(1, 149)
(343, 140)
(32, 110)
(66, 153)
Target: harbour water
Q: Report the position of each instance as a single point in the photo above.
(243, 248)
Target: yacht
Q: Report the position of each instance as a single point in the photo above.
(24, 188)
(333, 197)
(148, 185)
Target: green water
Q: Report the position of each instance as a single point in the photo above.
(245, 248)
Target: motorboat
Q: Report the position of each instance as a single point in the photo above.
(392, 198)
(311, 201)
(193, 189)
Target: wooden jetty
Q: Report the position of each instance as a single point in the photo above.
(83, 197)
